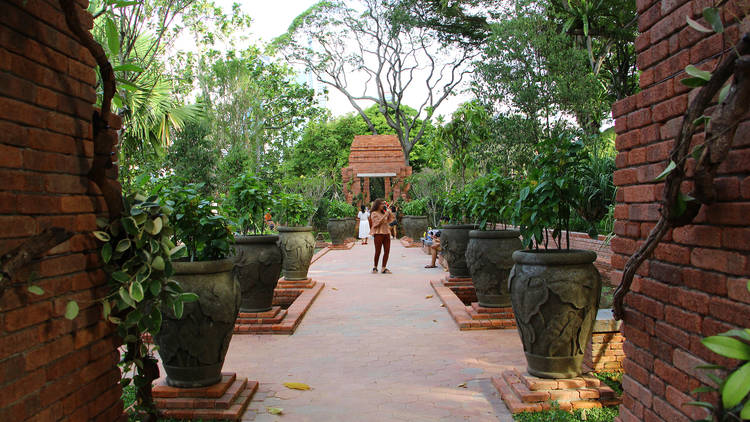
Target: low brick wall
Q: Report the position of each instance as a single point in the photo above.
(605, 352)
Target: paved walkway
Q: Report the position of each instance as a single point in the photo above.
(373, 347)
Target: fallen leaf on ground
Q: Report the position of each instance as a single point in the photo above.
(333, 288)
(434, 320)
(442, 305)
(274, 410)
(296, 386)
(462, 385)
(428, 297)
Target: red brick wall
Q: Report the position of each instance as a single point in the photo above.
(694, 284)
(50, 368)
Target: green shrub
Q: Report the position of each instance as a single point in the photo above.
(294, 210)
(197, 222)
(489, 200)
(416, 207)
(457, 206)
(340, 209)
(248, 199)
(606, 414)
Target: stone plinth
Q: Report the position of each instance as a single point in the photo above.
(342, 247)
(226, 400)
(522, 392)
(295, 296)
(456, 292)
(605, 353)
(408, 242)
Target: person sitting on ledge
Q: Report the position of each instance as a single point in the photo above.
(432, 241)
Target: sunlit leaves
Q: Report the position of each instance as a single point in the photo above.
(35, 290)
(71, 310)
(669, 169)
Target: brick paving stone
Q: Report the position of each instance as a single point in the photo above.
(377, 349)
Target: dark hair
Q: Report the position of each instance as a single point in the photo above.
(362, 207)
(378, 204)
(393, 208)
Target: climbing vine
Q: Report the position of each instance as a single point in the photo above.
(731, 81)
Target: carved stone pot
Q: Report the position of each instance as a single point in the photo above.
(555, 296)
(454, 239)
(489, 257)
(353, 224)
(297, 247)
(193, 348)
(339, 229)
(414, 226)
(257, 267)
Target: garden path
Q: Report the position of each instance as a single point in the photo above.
(374, 347)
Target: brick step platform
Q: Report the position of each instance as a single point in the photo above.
(342, 247)
(226, 400)
(522, 392)
(454, 292)
(297, 295)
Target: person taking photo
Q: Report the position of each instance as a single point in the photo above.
(381, 217)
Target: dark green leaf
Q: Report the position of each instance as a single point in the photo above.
(123, 245)
(693, 82)
(103, 236)
(128, 68)
(178, 308)
(106, 252)
(713, 17)
(695, 72)
(136, 291)
(158, 263)
(188, 297)
(700, 404)
(724, 92)
(698, 27)
(121, 276)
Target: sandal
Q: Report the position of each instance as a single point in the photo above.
(374, 270)
(430, 266)
(386, 271)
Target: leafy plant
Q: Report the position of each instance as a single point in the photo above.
(295, 210)
(456, 206)
(552, 190)
(415, 207)
(735, 402)
(248, 199)
(489, 200)
(340, 209)
(197, 222)
(137, 252)
(555, 414)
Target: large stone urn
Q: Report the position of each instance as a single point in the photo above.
(555, 296)
(339, 229)
(414, 226)
(297, 247)
(353, 227)
(489, 257)
(454, 239)
(257, 268)
(193, 348)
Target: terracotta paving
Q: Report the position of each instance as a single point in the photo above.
(374, 347)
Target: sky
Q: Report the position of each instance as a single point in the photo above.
(272, 18)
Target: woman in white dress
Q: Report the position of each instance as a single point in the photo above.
(364, 224)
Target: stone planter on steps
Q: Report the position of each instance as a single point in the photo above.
(414, 226)
(193, 348)
(297, 247)
(454, 239)
(339, 229)
(257, 268)
(555, 297)
(489, 257)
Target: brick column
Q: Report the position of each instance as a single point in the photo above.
(387, 184)
(366, 189)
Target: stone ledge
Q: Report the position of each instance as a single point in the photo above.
(282, 321)
(226, 400)
(526, 393)
(473, 317)
(342, 247)
(408, 242)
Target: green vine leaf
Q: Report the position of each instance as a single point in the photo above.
(71, 310)
(713, 17)
(113, 36)
(670, 167)
(728, 347)
(724, 92)
(695, 72)
(106, 252)
(103, 236)
(736, 387)
(698, 27)
(36, 290)
(136, 291)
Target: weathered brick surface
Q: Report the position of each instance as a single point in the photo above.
(694, 284)
(50, 368)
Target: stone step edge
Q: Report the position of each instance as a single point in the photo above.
(223, 402)
(515, 405)
(234, 412)
(461, 315)
(164, 391)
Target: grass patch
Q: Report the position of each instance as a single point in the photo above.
(612, 379)
(606, 414)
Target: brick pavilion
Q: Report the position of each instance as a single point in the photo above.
(375, 156)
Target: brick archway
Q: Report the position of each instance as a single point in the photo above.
(375, 156)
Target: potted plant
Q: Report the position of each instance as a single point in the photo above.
(295, 235)
(454, 238)
(340, 215)
(554, 291)
(192, 348)
(489, 254)
(414, 218)
(257, 261)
